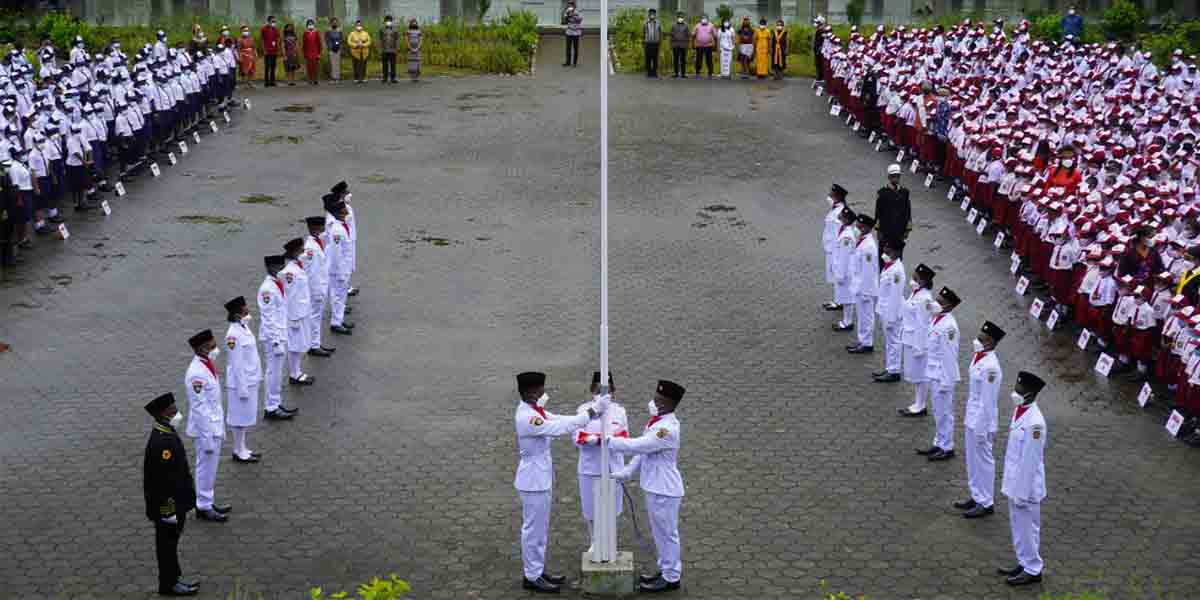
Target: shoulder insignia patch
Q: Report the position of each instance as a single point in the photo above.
(309, 254)
(337, 239)
(266, 298)
(197, 386)
(231, 342)
(896, 280)
(662, 433)
(289, 277)
(536, 421)
(867, 259)
(929, 306)
(166, 454)
(950, 334)
(992, 377)
(1037, 432)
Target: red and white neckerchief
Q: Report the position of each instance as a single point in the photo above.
(209, 363)
(278, 284)
(1020, 411)
(978, 355)
(319, 242)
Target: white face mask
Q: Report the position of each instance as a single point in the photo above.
(1017, 399)
(176, 420)
(1067, 164)
(679, 20)
(348, 197)
(829, 199)
(939, 310)
(886, 257)
(214, 354)
(652, 408)
(542, 400)
(977, 345)
(912, 283)
(246, 320)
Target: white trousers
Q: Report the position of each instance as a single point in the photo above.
(914, 366)
(294, 360)
(239, 442)
(847, 313)
(981, 466)
(943, 415)
(866, 320)
(1026, 524)
(920, 396)
(726, 61)
(587, 495)
(315, 319)
(535, 530)
(274, 377)
(338, 288)
(208, 456)
(891, 341)
(664, 524)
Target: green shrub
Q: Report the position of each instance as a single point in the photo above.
(1047, 27)
(1123, 20)
(377, 589)
(724, 13)
(854, 12)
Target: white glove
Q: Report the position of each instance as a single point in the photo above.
(622, 474)
(171, 520)
(600, 404)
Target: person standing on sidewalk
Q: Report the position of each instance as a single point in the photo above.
(725, 43)
(389, 45)
(413, 39)
(270, 42)
(291, 53)
(247, 57)
(312, 51)
(651, 38)
(704, 37)
(333, 45)
(779, 50)
(679, 46)
(574, 29)
(170, 493)
(360, 50)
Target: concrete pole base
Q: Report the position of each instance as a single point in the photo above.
(611, 579)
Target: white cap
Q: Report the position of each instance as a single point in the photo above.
(893, 169)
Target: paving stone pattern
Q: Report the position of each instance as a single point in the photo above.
(479, 254)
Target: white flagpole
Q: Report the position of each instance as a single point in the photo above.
(605, 525)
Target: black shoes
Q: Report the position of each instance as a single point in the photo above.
(887, 378)
(211, 515)
(930, 452)
(352, 292)
(554, 579)
(540, 585)
(904, 412)
(1023, 578)
(842, 327)
(649, 578)
(303, 379)
(967, 504)
(1013, 572)
(277, 415)
(861, 350)
(341, 330)
(979, 512)
(179, 589)
(222, 508)
(658, 585)
(252, 459)
(319, 352)
(941, 455)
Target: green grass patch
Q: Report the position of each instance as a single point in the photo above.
(208, 220)
(259, 199)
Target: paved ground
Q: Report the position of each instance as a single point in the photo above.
(797, 470)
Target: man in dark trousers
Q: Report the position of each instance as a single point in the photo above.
(893, 211)
(270, 37)
(170, 493)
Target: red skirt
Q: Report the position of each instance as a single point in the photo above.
(928, 148)
(1012, 215)
(948, 163)
(1102, 321)
(1060, 285)
(983, 195)
(1041, 259)
(1142, 343)
(1121, 341)
(908, 135)
(1167, 369)
(1000, 210)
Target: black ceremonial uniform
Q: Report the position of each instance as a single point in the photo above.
(169, 491)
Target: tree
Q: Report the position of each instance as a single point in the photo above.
(854, 12)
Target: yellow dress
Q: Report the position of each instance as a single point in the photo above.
(762, 51)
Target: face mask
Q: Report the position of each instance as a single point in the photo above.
(541, 401)
(886, 257)
(246, 320)
(652, 408)
(679, 20)
(1017, 399)
(245, 34)
(348, 197)
(358, 27)
(779, 27)
(939, 310)
(311, 27)
(176, 420)
(829, 199)
(214, 353)
(912, 283)
(1067, 164)
(388, 24)
(704, 21)
(977, 345)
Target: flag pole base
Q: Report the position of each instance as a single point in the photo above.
(608, 579)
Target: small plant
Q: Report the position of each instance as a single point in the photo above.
(377, 589)
(854, 12)
(1123, 20)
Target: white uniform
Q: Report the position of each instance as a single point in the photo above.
(916, 316)
(984, 378)
(272, 331)
(865, 283)
(205, 425)
(587, 440)
(535, 478)
(941, 372)
(829, 239)
(243, 372)
(843, 270)
(341, 265)
(889, 308)
(316, 265)
(655, 454)
(1025, 484)
(299, 310)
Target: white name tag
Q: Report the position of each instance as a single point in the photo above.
(999, 241)
(171, 158)
(154, 170)
(246, 104)
(213, 126)
(1104, 364)
(106, 208)
(1174, 422)
(225, 114)
(835, 110)
(820, 92)
(972, 215)
(983, 223)
(120, 188)
(913, 167)
(929, 180)
(1085, 338)
(62, 231)
(1022, 285)
(1145, 395)
(950, 193)
(183, 149)
(900, 156)
(966, 202)
(855, 127)
(878, 144)
(195, 137)
(1035, 309)
(871, 138)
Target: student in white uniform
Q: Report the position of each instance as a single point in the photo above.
(916, 316)
(843, 264)
(343, 193)
(889, 308)
(829, 237)
(316, 264)
(984, 378)
(588, 442)
(1024, 481)
(941, 372)
(299, 308)
(273, 333)
(534, 481)
(205, 423)
(341, 264)
(654, 463)
(865, 283)
(243, 373)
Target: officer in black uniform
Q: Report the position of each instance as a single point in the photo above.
(170, 493)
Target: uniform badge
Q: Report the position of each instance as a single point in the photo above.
(166, 454)
(662, 434)
(232, 343)
(288, 277)
(536, 421)
(1037, 433)
(197, 386)
(896, 280)
(992, 377)
(309, 254)
(950, 334)
(867, 258)
(929, 306)
(266, 298)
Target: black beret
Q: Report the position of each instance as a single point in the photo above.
(948, 295)
(992, 330)
(328, 200)
(201, 338)
(865, 219)
(236, 304)
(294, 245)
(315, 221)
(924, 272)
(275, 260)
(837, 189)
(596, 378)
(847, 213)
(530, 379)
(159, 404)
(339, 188)
(1032, 384)
(670, 389)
